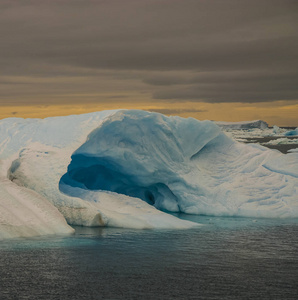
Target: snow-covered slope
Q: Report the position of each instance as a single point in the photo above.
(242, 125)
(120, 168)
(24, 213)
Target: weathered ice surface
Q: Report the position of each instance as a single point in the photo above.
(25, 213)
(185, 165)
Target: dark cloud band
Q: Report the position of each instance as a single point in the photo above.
(216, 51)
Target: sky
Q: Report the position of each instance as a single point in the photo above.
(227, 60)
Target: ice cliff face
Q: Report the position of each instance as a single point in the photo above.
(123, 168)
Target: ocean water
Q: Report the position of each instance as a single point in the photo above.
(226, 258)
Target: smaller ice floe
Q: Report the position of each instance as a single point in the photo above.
(241, 131)
(241, 140)
(276, 130)
(282, 141)
(293, 150)
(292, 132)
(241, 135)
(259, 124)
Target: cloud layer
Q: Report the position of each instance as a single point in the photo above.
(202, 51)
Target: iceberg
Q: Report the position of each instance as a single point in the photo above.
(130, 168)
(245, 125)
(282, 141)
(292, 132)
(241, 131)
(293, 150)
(276, 130)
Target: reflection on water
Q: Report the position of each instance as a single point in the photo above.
(230, 258)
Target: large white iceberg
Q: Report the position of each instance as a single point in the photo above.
(123, 168)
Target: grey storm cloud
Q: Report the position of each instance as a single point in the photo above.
(217, 87)
(215, 51)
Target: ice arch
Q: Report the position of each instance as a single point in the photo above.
(141, 154)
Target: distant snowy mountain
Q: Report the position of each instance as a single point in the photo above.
(124, 168)
(243, 125)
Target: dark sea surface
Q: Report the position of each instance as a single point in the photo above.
(226, 258)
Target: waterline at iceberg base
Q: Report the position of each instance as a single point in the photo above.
(129, 168)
